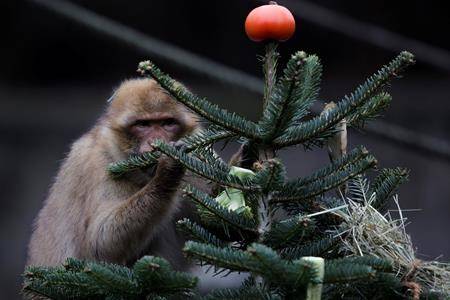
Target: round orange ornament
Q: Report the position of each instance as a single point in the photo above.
(270, 22)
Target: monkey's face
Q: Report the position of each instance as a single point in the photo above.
(142, 112)
(156, 126)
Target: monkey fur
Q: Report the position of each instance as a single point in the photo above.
(88, 215)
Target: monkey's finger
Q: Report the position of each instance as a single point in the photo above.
(179, 145)
(151, 170)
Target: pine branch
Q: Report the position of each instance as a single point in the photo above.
(307, 90)
(198, 140)
(386, 285)
(113, 279)
(321, 127)
(376, 263)
(221, 214)
(227, 258)
(368, 274)
(345, 272)
(275, 270)
(156, 276)
(134, 162)
(258, 260)
(315, 248)
(327, 183)
(382, 286)
(288, 260)
(278, 103)
(91, 280)
(355, 155)
(209, 111)
(289, 232)
(211, 158)
(207, 137)
(198, 233)
(247, 292)
(94, 281)
(272, 175)
(358, 190)
(55, 283)
(386, 183)
(292, 96)
(203, 169)
(74, 265)
(370, 110)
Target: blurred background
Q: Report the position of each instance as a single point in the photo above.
(57, 71)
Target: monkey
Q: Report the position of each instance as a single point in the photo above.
(89, 215)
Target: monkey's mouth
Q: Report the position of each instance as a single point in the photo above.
(135, 151)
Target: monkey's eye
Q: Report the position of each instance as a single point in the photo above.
(170, 125)
(142, 123)
(169, 122)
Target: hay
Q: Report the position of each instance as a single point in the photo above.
(365, 231)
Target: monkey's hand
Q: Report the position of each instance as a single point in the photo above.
(151, 170)
(179, 145)
(169, 170)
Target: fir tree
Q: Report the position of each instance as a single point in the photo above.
(302, 255)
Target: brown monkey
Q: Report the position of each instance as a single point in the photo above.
(89, 215)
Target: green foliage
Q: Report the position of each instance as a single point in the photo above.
(210, 157)
(275, 251)
(371, 261)
(271, 176)
(289, 232)
(199, 142)
(343, 272)
(380, 286)
(344, 162)
(88, 280)
(227, 257)
(289, 276)
(370, 110)
(387, 181)
(212, 212)
(246, 292)
(318, 247)
(209, 111)
(203, 169)
(289, 102)
(318, 187)
(198, 233)
(258, 260)
(207, 137)
(292, 96)
(155, 276)
(316, 130)
(134, 162)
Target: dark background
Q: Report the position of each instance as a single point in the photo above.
(56, 75)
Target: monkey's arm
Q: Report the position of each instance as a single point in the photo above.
(115, 233)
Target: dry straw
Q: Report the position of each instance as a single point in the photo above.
(365, 231)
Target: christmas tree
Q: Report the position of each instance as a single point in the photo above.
(320, 236)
